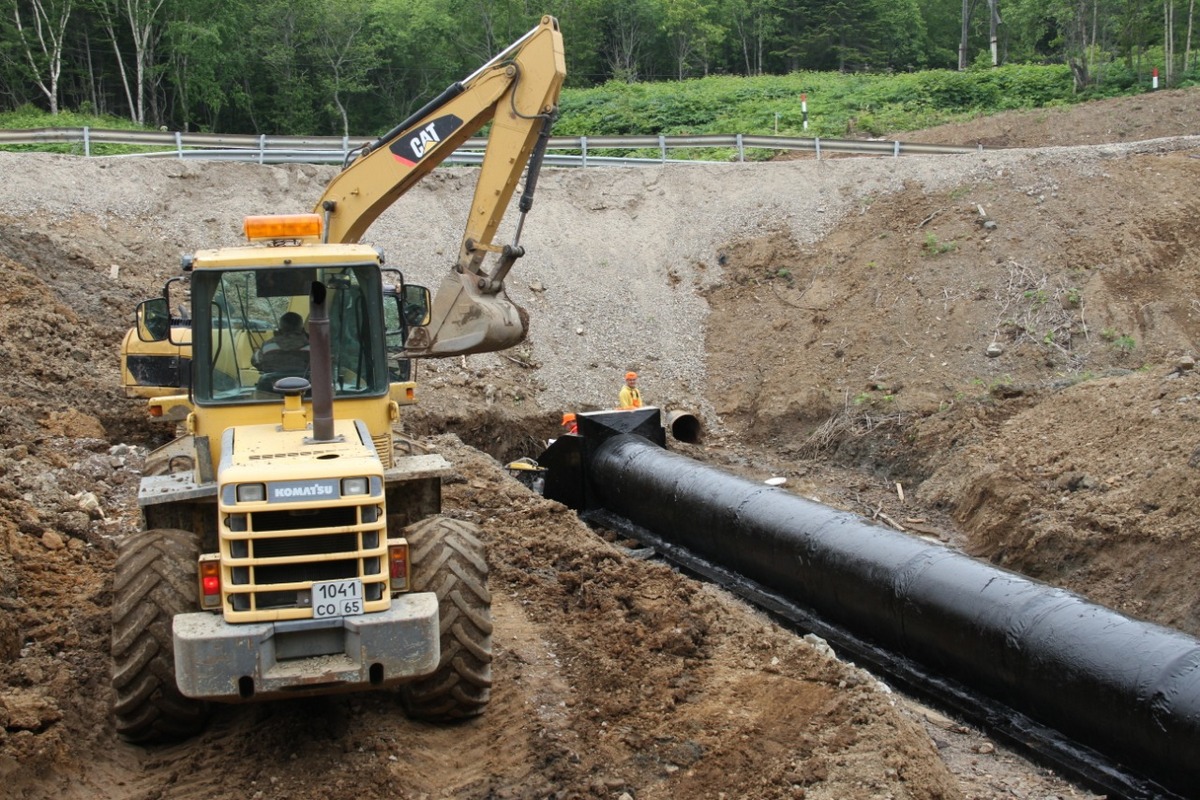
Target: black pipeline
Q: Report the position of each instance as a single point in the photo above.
(1128, 689)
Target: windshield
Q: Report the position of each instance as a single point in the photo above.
(251, 329)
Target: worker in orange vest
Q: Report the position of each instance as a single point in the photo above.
(570, 423)
(630, 396)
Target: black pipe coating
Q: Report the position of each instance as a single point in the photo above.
(1128, 689)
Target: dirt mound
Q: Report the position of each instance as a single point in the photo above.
(1118, 119)
(996, 350)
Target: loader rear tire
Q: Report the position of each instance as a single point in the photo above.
(155, 580)
(449, 557)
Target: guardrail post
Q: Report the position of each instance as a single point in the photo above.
(583, 151)
(662, 147)
(262, 148)
(179, 143)
(741, 149)
(896, 149)
(817, 145)
(87, 141)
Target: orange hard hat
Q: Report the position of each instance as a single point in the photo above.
(567, 418)
(631, 376)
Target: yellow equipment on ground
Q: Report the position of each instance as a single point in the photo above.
(287, 548)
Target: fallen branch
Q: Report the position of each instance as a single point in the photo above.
(519, 361)
(929, 219)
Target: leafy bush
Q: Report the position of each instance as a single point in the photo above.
(838, 104)
(29, 117)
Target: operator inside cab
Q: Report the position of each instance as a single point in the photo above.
(287, 350)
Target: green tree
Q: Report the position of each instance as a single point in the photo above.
(417, 57)
(41, 27)
(942, 22)
(841, 34)
(345, 53)
(694, 33)
(901, 35)
(752, 26)
(583, 39)
(204, 50)
(279, 92)
(134, 28)
(630, 27)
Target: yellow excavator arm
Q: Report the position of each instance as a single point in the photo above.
(517, 91)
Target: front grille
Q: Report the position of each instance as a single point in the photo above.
(336, 517)
(316, 544)
(271, 557)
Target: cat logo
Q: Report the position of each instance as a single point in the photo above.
(425, 137)
(411, 146)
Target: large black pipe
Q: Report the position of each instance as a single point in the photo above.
(1128, 689)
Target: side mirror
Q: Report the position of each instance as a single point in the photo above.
(153, 320)
(414, 305)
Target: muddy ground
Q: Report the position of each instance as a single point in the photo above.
(1003, 361)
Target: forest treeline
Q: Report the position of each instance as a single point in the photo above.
(356, 67)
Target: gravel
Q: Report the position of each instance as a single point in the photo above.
(618, 258)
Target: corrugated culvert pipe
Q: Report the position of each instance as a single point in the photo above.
(1128, 689)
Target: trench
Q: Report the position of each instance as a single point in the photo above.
(1109, 700)
(506, 437)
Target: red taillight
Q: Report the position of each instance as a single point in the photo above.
(156, 411)
(210, 582)
(398, 565)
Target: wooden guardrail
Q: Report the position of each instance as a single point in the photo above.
(561, 150)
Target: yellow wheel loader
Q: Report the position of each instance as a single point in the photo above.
(286, 549)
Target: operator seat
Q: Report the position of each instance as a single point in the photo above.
(285, 354)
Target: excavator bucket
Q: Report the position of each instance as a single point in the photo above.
(465, 322)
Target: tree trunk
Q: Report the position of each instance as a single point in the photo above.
(962, 45)
(43, 45)
(1187, 50)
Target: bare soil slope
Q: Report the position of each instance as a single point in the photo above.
(1009, 337)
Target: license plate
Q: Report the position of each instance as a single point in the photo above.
(337, 598)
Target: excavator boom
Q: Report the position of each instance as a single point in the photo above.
(517, 91)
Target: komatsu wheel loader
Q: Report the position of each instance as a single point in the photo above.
(286, 548)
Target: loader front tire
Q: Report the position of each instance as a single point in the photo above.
(155, 580)
(449, 557)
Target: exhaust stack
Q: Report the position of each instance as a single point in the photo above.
(321, 365)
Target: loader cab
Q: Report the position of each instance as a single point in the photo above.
(240, 329)
(241, 313)
(252, 302)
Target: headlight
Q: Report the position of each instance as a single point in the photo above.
(251, 492)
(353, 487)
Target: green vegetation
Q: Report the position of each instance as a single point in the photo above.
(1038, 297)
(1121, 341)
(838, 104)
(358, 67)
(31, 118)
(933, 247)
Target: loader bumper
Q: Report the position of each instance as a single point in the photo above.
(215, 660)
